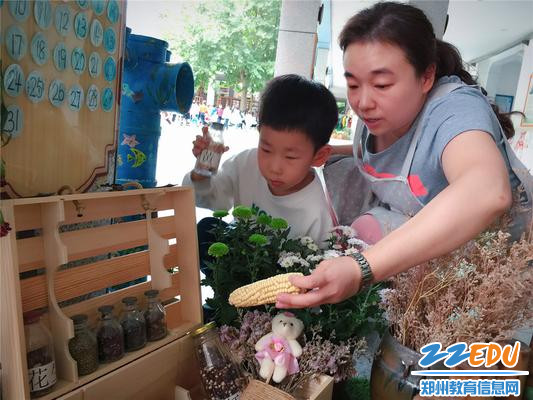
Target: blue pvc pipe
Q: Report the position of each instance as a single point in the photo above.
(149, 85)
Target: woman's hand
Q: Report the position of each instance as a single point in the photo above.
(333, 281)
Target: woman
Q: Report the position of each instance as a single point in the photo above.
(431, 148)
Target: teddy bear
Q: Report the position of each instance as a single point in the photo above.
(277, 351)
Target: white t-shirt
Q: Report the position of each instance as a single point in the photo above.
(239, 182)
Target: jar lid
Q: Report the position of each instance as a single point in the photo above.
(129, 300)
(106, 309)
(151, 293)
(217, 126)
(32, 317)
(204, 328)
(79, 319)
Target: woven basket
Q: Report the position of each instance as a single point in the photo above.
(257, 390)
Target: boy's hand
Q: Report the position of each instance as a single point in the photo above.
(201, 142)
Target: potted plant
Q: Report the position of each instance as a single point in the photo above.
(257, 246)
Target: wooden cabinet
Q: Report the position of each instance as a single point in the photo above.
(74, 253)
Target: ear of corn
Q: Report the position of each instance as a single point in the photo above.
(263, 291)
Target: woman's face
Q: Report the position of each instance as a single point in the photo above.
(383, 88)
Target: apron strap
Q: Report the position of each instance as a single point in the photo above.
(320, 173)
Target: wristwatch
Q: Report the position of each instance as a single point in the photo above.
(367, 277)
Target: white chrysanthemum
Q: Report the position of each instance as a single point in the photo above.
(306, 240)
(358, 242)
(337, 247)
(312, 247)
(288, 259)
(331, 254)
(286, 263)
(345, 230)
(314, 258)
(350, 251)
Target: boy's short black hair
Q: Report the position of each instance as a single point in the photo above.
(292, 102)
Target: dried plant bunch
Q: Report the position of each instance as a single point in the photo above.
(480, 292)
(319, 355)
(264, 291)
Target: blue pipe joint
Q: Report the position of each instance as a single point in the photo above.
(150, 82)
(158, 87)
(149, 85)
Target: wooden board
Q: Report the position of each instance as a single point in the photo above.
(57, 146)
(91, 233)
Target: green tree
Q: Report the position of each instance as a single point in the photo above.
(234, 37)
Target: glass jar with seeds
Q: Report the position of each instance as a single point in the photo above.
(110, 336)
(133, 324)
(83, 347)
(155, 316)
(219, 373)
(39, 355)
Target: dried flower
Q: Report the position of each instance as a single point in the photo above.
(319, 355)
(487, 279)
(4, 226)
(218, 250)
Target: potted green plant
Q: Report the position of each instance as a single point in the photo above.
(257, 246)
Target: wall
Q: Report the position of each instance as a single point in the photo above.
(523, 141)
(500, 73)
(503, 78)
(508, 73)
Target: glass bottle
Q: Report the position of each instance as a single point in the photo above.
(133, 324)
(220, 374)
(208, 161)
(39, 355)
(155, 316)
(110, 336)
(83, 347)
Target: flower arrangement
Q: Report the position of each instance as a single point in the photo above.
(319, 355)
(257, 246)
(480, 292)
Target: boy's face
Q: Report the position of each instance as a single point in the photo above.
(285, 159)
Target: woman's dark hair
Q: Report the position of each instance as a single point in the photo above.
(291, 102)
(408, 28)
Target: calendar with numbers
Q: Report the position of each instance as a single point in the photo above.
(60, 63)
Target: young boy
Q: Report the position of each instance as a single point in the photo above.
(296, 119)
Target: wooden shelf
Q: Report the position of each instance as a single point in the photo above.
(95, 235)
